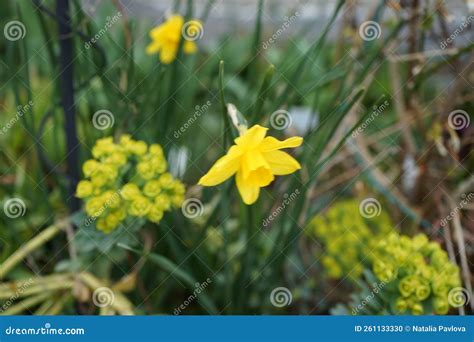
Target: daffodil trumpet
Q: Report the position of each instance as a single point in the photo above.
(255, 160)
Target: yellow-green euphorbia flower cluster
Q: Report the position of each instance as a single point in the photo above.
(127, 179)
(347, 236)
(418, 269)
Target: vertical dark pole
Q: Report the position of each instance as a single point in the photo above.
(67, 99)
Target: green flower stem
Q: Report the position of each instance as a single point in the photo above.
(207, 10)
(223, 106)
(225, 214)
(176, 5)
(175, 79)
(225, 207)
(246, 265)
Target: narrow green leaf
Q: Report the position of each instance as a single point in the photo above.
(174, 270)
(252, 66)
(320, 137)
(262, 94)
(314, 50)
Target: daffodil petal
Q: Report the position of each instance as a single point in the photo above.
(272, 144)
(252, 138)
(156, 32)
(168, 54)
(281, 163)
(249, 193)
(223, 168)
(189, 47)
(175, 20)
(153, 47)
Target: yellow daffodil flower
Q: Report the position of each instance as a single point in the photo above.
(255, 160)
(166, 38)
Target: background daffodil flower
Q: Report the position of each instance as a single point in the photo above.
(166, 38)
(255, 160)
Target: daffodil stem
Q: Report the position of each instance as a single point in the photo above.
(246, 273)
(227, 268)
(176, 5)
(223, 105)
(207, 10)
(176, 77)
(288, 234)
(189, 10)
